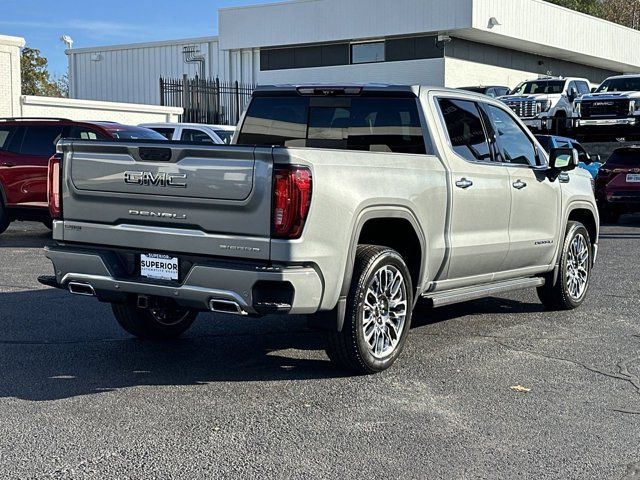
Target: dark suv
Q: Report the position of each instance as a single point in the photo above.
(618, 184)
(26, 144)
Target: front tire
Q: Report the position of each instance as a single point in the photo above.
(572, 284)
(165, 323)
(378, 315)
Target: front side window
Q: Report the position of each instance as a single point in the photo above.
(583, 88)
(367, 52)
(195, 136)
(41, 140)
(465, 128)
(513, 145)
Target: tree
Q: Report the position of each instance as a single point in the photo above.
(36, 79)
(624, 12)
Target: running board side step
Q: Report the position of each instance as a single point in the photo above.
(459, 295)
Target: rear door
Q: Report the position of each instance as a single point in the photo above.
(479, 230)
(536, 201)
(28, 159)
(196, 199)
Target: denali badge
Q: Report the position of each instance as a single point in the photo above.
(146, 213)
(160, 179)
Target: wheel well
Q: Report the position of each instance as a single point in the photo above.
(586, 218)
(399, 234)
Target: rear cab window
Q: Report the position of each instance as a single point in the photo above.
(364, 123)
(195, 136)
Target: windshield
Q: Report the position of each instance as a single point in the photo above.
(539, 87)
(631, 84)
(136, 133)
(225, 136)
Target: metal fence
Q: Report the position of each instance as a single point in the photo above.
(206, 100)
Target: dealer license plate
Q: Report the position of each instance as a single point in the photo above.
(159, 267)
(633, 178)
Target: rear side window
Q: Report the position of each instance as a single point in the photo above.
(465, 128)
(165, 132)
(627, 157)
(5, 133)
(195, 136)
(225, 135)
(40, 140)
(351, 123)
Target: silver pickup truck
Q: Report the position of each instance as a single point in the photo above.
(345, 204)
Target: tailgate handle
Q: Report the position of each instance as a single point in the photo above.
(151, 154)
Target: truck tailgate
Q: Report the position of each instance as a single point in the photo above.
(209, 200)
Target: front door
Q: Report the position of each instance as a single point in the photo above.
(481, 193)
(536, 200)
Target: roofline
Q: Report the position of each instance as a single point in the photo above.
(12, 41)
(126, 46)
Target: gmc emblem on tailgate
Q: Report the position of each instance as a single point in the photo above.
(160, 179)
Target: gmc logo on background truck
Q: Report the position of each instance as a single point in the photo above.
(160, 179)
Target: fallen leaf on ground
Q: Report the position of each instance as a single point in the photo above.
(520, 389)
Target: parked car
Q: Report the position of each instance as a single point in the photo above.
(491, 91)
(618, 184)
(546, 104)
(346, 204)
(613, 110)
(26, 144)
(590, 163)
(194, 132)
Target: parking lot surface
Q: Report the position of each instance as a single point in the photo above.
(245, 398)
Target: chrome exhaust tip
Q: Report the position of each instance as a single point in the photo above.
(226, 306)
(83, 289)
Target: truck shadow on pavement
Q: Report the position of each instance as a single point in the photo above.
(55, 346)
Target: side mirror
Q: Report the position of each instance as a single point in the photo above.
(593, 90)
(563, 159)
(596, 159)
(573, 94)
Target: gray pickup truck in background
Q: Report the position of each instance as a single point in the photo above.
(345, 204)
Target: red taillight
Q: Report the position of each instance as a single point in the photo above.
(291, 200)
(53, 188)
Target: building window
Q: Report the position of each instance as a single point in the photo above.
(370, 52)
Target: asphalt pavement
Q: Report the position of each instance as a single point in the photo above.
(246, 398)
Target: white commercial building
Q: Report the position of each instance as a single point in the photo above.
(452, 43)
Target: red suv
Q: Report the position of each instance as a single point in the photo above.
(26, 144)
(618, 184)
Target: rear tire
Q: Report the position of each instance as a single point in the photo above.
(4, 218)
(574, 273)
(153, 323)
(378, 314)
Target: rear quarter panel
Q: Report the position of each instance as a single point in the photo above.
(349, 185)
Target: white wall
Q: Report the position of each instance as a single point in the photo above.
(10, 79)
(127, 113)
(414, 72)
(131, 73)
(462, 73)
(309, 21)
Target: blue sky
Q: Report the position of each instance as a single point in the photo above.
(106, 22)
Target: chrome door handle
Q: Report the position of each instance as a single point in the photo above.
(464, 183)
(519, 184)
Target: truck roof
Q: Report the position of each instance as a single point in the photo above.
(349, 89)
